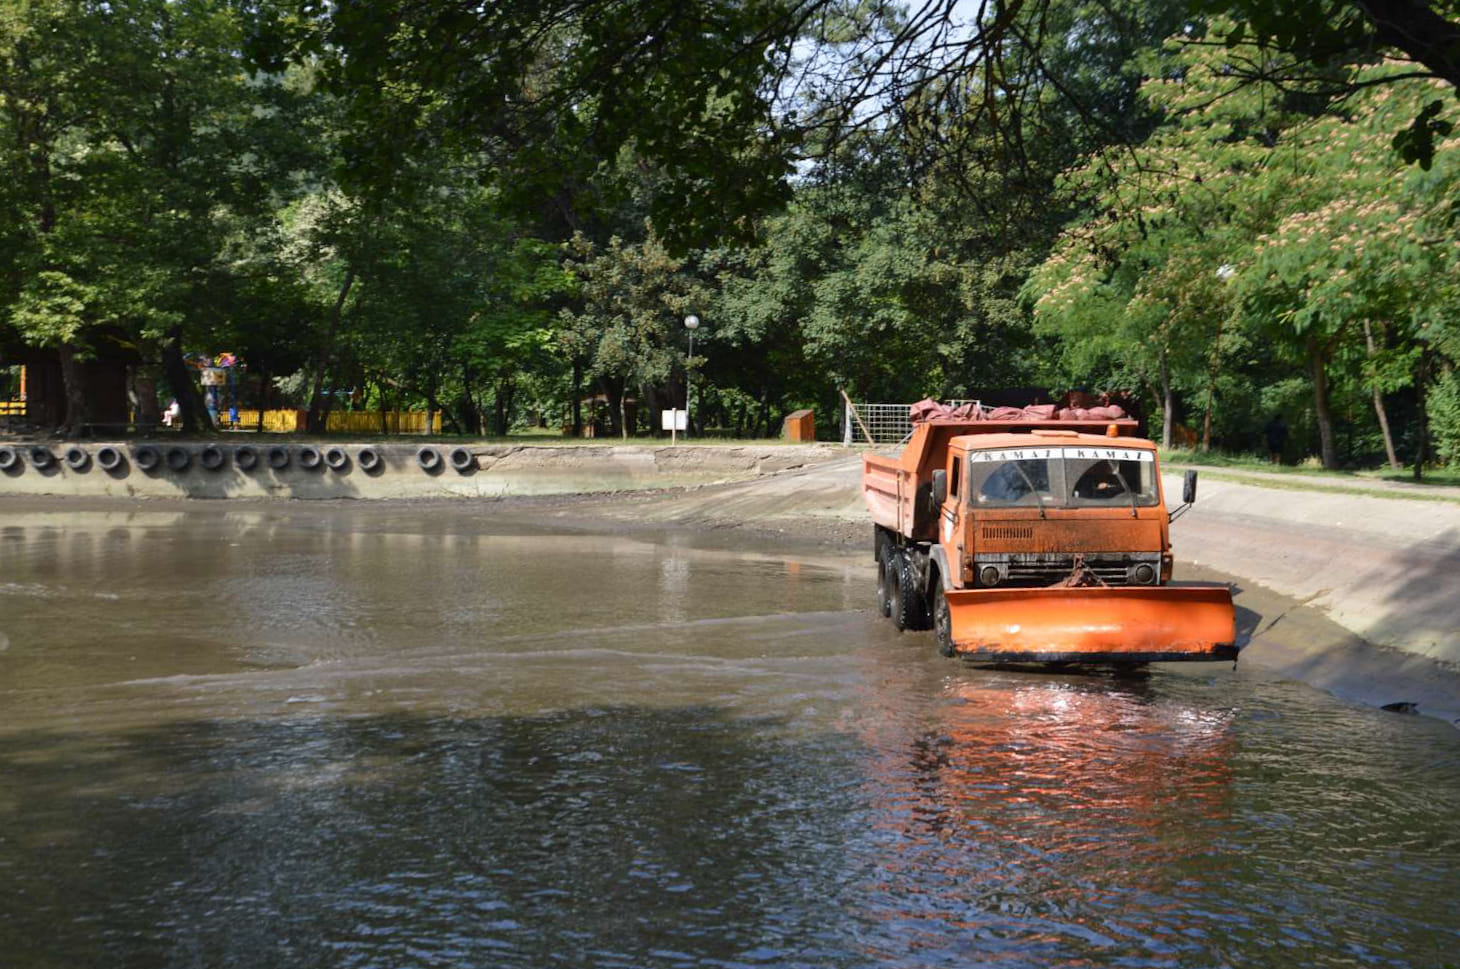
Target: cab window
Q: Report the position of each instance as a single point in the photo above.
(1012, 483)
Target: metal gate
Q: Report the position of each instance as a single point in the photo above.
(869, 423)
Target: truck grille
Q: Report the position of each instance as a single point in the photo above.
(1048, 573)
(1030, 569)
(1007, 533)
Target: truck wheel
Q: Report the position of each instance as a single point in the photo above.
(896, 607)
(885, 582)
(943, 623)
(914, 602)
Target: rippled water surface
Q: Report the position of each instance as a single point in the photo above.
(431, 736)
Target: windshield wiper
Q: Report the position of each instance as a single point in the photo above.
(1128, 490)
(1032, 490)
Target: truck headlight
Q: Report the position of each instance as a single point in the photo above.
(989, 575)
(1142, 574)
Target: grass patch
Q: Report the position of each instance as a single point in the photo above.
(1442, 477)
(1449, 477)
(1320, 487)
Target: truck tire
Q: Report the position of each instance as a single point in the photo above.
(885, 581)
(896, 607)
(943, 623)
(881, 544)
(912, 600)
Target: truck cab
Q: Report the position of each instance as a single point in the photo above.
(1036, 509)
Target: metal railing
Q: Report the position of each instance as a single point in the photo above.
(883, 423)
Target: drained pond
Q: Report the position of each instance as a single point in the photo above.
(257, 735)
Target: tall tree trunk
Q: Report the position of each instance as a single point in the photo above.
(73, 383)
(1212, 369)
(615, 396)
(1422, 435)
(506, 389)
(144, 388)
(1168, 404)
(263, 397)
(1379, 405)
(1318, 370)
(318, 413)
(577, 399)
(195, 417)
(471, 411)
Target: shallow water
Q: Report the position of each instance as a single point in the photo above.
(388, 736)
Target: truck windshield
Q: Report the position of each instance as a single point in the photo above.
(1063, 477)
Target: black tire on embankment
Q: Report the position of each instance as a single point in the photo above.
(109, 458)
(76, 458)
(245, 458)
(147, 457)
(41, 457)
(178, 458)
(462, 459)
(309, 458)
(369, 459)
(336, 459)
(211, 457)
(429, 459)
(278, 457)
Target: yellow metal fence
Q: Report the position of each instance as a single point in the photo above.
(345, 422)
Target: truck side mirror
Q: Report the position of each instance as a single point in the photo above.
(940, 488)
(1188, 489)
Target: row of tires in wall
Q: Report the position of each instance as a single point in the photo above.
(211, 457)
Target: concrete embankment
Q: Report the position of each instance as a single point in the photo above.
(170, 469)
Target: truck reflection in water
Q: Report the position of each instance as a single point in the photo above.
(1055, 815)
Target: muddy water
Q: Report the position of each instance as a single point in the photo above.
(424, 736)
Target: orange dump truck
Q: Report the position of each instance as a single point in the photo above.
(1038, 542)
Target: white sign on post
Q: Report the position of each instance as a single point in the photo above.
(673, 421)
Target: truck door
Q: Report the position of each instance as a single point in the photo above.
(950, 521)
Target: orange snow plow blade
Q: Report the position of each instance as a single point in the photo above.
(1094, 624)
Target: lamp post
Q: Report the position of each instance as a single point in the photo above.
(691, 323)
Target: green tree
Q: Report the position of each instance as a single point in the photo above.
(627, 332)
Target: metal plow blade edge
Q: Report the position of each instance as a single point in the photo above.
(1100, 624)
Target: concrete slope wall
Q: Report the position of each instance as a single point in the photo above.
(1388, 569)
(483, 471)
